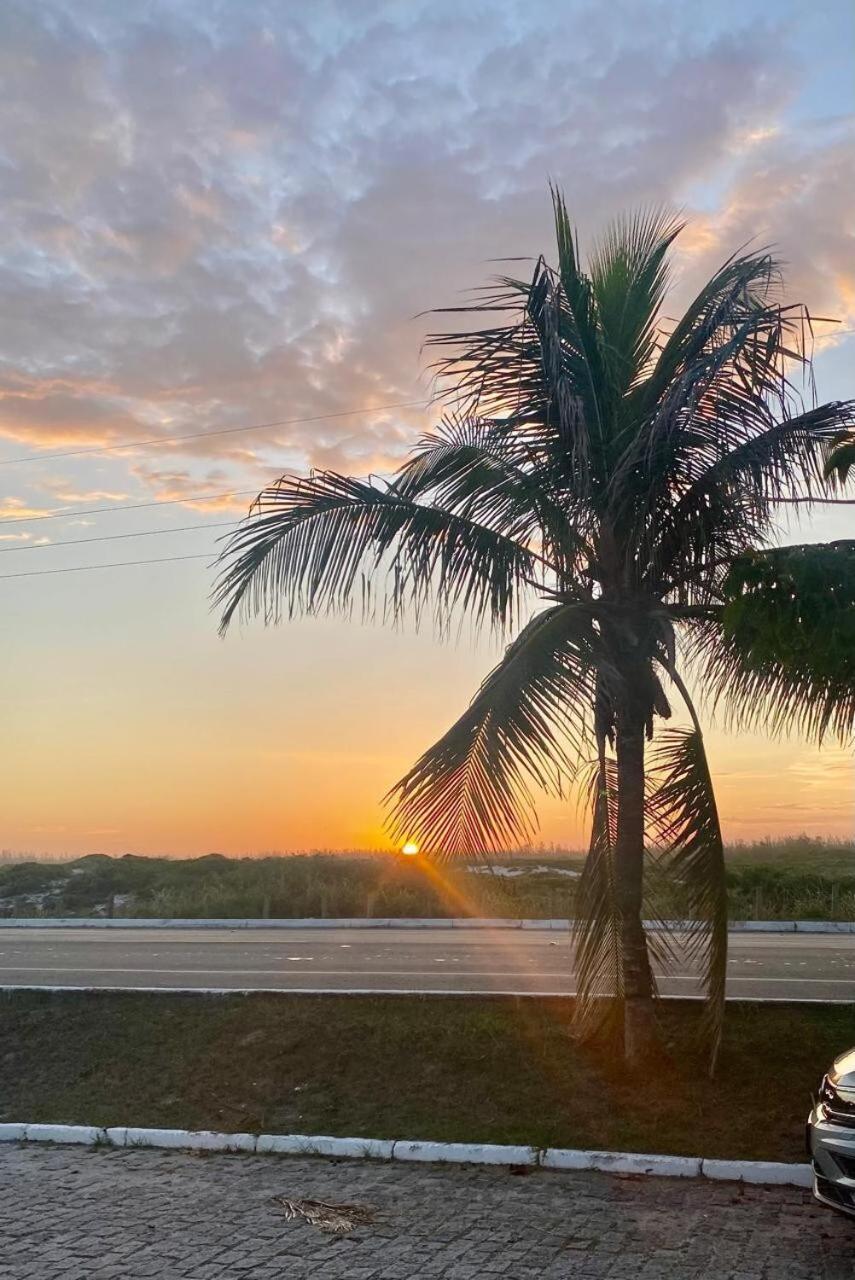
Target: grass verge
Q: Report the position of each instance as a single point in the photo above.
(442, 1068)
(798, 878)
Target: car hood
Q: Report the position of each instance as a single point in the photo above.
(843, 1070)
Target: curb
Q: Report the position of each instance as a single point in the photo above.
(404, 922)
(758, 1172)
(426, 993)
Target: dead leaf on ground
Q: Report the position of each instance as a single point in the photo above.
(335, 1218)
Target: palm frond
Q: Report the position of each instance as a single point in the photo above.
(722, 379)
(599, 958)
(540, 366)
(722, 325)
(495, 371)
(597, 940)
(629, 276)
(531, 371)
(580, 330)
(726, 508)
(684, 816)
(478, 468)
(527, 726)
(314, 545)
(841, 458)
(783, 654)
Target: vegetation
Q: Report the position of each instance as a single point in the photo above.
(796, 879)
(802, 853)
(841, 459)
(624, 470)
(411, 1067)
(792, 610)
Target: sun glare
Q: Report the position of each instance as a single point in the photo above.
(410, 849)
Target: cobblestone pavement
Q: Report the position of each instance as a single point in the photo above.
(70, 1213)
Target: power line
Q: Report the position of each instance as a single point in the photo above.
(132, 506)
(116, 564)
(203, 435)
(226, 431)
(115, 537)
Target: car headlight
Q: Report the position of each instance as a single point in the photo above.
(837, 1099)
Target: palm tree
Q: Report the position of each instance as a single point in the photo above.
(617, 474)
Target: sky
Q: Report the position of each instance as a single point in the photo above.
(217, 215)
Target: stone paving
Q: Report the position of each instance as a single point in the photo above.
(71, 1213)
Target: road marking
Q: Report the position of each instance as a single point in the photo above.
(282, 973)
(837, 982)
(275, 973)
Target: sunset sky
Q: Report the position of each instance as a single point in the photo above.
(224, 214)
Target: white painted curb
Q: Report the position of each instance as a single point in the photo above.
(178, 1139)
(12, 1132)
(765, 1172)
(759, 1172)
(464, 1153)
(79, 1134)
(623, 1162)
(295, 1144)
(405, 922)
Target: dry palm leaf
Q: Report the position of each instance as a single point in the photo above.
(336, 1218)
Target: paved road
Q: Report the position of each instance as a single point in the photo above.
(123, 1215)
(792, 966)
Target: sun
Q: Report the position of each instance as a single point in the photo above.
(410, 849)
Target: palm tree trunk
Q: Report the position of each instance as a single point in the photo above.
(640, 1029)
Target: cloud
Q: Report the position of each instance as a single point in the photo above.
(219, 217)
(192, 491)
(793, 193)
(15, 509)
(61, 493)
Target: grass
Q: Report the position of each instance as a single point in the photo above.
(799, 878)
(802, 854)
(442, 1068)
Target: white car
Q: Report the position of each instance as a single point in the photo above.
(831, 1137)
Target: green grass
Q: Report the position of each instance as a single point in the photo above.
(491, 1069)
(806, 855)
(799, 878)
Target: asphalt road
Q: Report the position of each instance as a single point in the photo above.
(776, 966)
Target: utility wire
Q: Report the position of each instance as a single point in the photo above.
(227, 431)
(115, 537)
(132, 506)
(116, 564)
(74, 512)
(203, 435)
